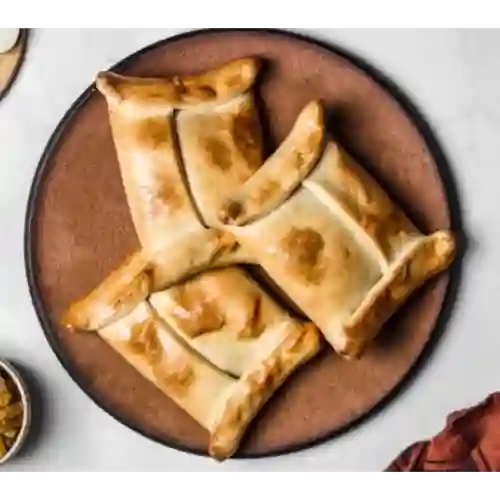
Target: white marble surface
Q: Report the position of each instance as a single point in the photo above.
(453, 76)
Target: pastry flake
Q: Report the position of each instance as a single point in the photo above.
(340, 248)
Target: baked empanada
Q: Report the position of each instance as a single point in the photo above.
(338, 246)
(223, 405)
(177, 168)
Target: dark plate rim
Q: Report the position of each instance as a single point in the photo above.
(435, 151)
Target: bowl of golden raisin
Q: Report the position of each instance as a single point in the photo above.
(15, 411)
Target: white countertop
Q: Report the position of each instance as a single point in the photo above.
(453, 76)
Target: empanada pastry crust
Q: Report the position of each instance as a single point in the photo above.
(223, 405)
(225, 316)
(341, 249)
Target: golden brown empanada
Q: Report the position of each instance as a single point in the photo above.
(223, 405)
(339, 247)
(213, 136)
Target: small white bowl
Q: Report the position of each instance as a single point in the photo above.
(11, 372)
(8, 39)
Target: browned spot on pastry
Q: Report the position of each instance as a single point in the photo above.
(158, 90)
(153, 133)
(377, 215)
(263, 380)
(386, 229)
(168, 195)
(304, 250)
(176, 377)
(313, 140)
(146, 90)
(267, 191)
(219, 154)
(246, 133)
(226, 245)
(254, 325)
(177, 374)
(231, 211)
(195, 312)
(144, 341)
(227, 241)
(128, 296)
(303, 155)
(188, 90)
(234, 81)
(206, 91)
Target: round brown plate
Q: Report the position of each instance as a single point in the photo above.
(78, 229)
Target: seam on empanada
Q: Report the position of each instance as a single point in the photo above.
(153, 312)
(183, 173)
(281, 173)
(229, 328)
(257, 386)
(424, 259)
(150, 347)
(226, 139)
(336, 208)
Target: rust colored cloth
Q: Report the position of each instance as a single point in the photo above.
(470, 442)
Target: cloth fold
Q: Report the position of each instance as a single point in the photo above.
(470, 442)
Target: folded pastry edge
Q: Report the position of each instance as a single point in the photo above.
(113, 298)
(428, 257)
(282, 172)
(136, 278)
(204, 87)
(256, 388)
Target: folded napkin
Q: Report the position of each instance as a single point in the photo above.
(470, 442)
